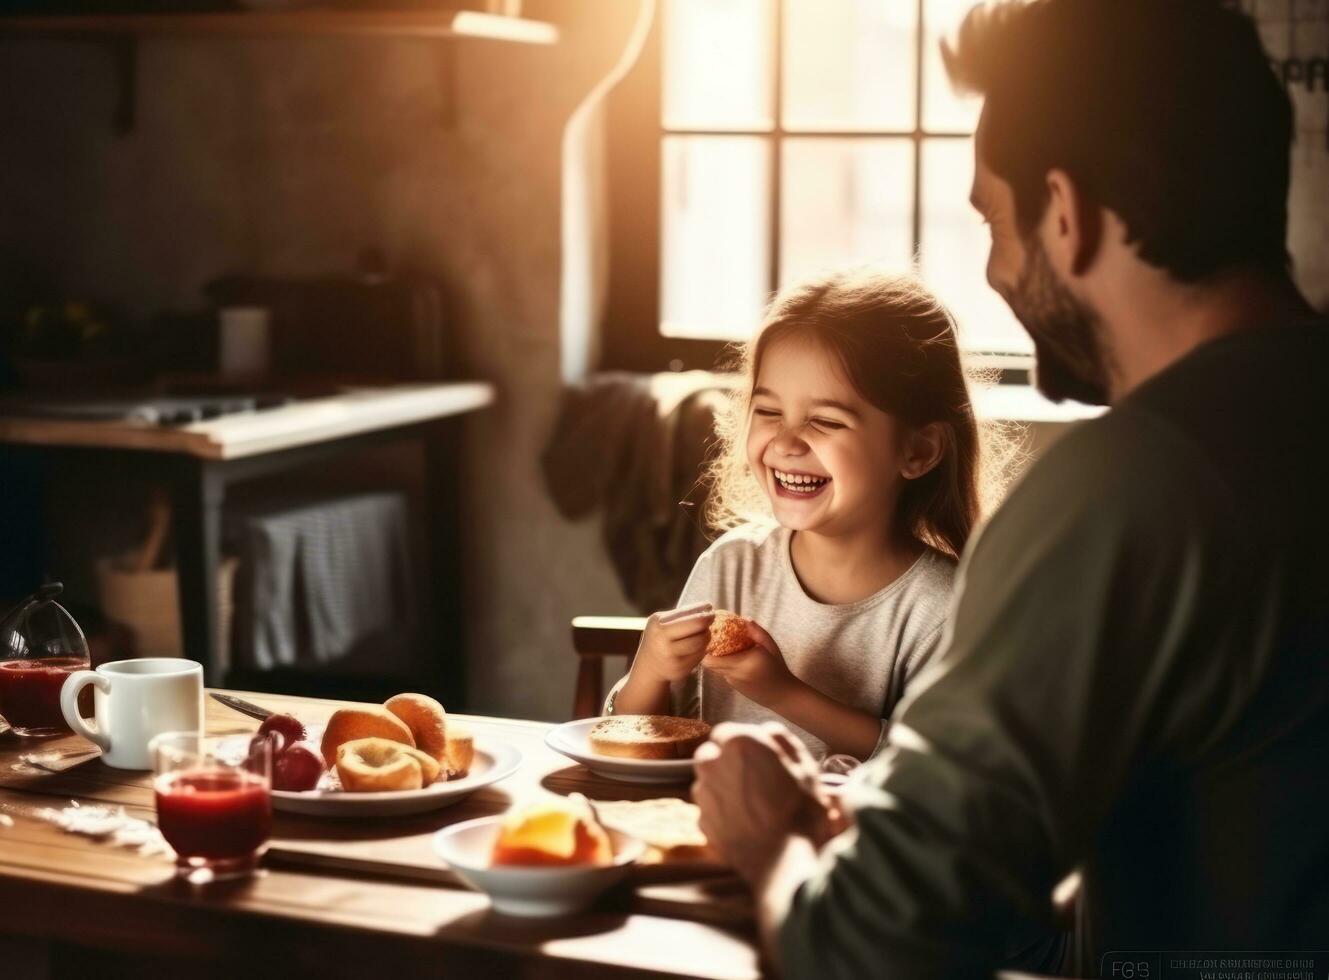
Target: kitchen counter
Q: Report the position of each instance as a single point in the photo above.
(198, 461)
(300, 423)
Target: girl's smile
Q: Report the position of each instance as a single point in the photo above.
(799, 485)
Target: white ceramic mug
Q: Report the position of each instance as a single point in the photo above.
(136, 700)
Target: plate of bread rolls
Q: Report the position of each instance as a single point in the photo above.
(404, 756)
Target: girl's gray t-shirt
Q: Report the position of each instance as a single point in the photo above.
(862, 654)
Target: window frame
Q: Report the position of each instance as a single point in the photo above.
(632, 337)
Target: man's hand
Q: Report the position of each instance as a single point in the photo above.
(758, 673)
(756, 787)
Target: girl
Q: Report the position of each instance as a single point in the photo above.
(848, 479)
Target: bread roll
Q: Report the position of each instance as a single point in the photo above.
(461, 751)
(427, 721)
(368, 721)
(430, 770)
(376, 765)
(648, 736)
(729, 634)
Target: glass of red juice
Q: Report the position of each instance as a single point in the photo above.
(214, 802)
(40, 646)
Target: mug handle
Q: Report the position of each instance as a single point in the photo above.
(74, 683)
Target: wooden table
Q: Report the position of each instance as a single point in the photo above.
(337, 898)
(199, 461)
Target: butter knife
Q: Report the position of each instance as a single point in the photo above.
(241, 705)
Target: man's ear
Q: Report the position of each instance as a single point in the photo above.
(1074, 226)
(923, 450)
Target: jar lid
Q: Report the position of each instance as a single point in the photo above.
(39, 627)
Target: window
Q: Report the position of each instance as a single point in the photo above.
(791, 136)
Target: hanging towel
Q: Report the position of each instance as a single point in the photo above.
(324, 583)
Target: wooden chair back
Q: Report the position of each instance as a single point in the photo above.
(593, 639)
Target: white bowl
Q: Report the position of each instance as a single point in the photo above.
(530, 891)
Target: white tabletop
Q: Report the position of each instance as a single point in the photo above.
(352, 412)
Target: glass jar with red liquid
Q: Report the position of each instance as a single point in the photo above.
(40, 646)
(214, 802)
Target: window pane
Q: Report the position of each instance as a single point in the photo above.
(849, 64)
(717, 234)
(954, 251)
(718, 64)
(943, 110)
(845, 202)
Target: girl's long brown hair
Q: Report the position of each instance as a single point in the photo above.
(897, 346)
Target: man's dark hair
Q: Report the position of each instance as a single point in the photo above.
(1166, 112)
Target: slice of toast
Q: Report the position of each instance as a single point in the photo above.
(669, 828)
(648, 736)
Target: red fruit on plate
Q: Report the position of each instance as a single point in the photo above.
(298, 768)
(278, 741)
(288, 725)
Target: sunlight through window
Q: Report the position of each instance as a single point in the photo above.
(804, 135)
(953, 252)
(719, 63)
(845, 202)
(717, 235)
(849, 65)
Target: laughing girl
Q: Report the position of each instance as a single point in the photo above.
(848, 482)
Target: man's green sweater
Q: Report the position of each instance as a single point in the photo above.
(1135, 683)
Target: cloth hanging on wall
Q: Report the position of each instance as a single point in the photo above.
(324, 583)
(621, 447)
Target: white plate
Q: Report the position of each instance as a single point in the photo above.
(494, 760)
(513, 890)
(572, 740)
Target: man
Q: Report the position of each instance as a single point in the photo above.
(1135, 681)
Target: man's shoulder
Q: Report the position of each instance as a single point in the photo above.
(1249, 368)
(1201, 420)
(1129, 467)
(1104, 455)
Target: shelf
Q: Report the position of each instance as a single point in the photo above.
(292, 23)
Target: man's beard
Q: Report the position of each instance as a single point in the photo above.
(1070, 359)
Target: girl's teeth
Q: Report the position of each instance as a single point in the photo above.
(800, 483)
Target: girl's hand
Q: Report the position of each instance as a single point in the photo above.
(758, 673)
(674, 642)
